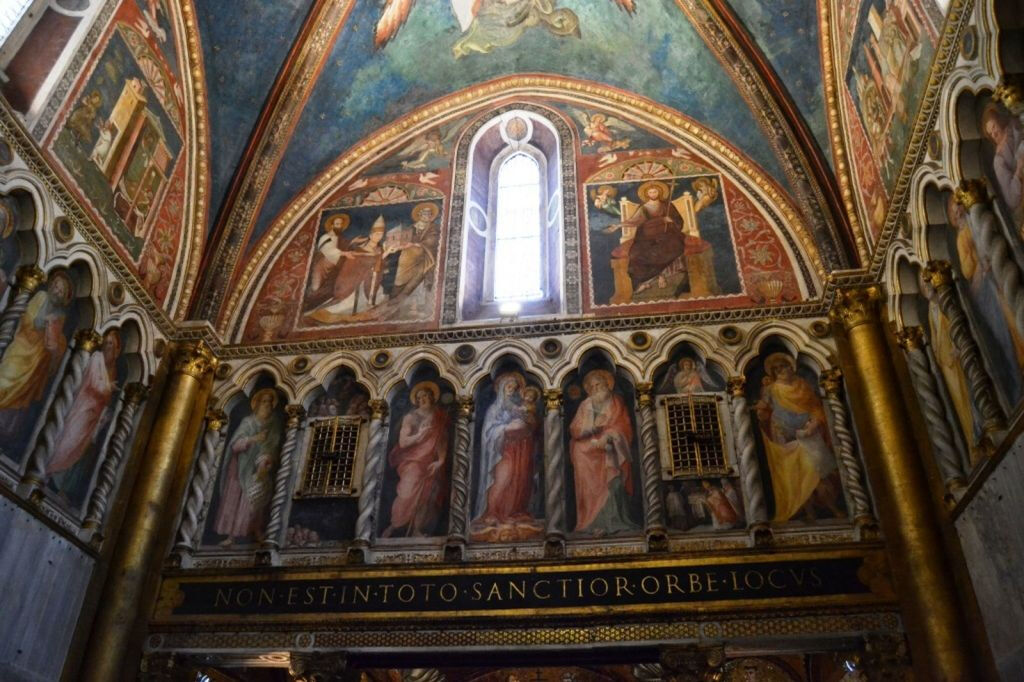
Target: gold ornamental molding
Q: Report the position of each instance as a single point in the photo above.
(263, 156)
(671, 124)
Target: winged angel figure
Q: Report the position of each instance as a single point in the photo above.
(487, 24)
(602, 131)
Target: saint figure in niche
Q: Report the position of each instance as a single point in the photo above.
(1007, 134)
(420, 458)
(508, 455)
(89, 414)
(601, 437)
(803, 469)
(248, 480)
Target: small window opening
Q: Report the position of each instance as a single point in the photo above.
(518, 254)
(11, 12)
(694, 435)
(331, 469)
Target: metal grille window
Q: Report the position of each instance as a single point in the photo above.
(693, 437)
(333, 454)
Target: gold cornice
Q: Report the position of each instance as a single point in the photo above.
(668, 122)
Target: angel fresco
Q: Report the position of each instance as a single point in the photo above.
(601, 132)
(488, 24)
(689, 375)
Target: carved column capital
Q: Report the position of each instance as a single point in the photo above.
(735, 386)
(1010, 95)
(29, 278)
(939, 274)
(378, 409)
(645, 394)
(465, 403)
(553, 399)
(832, 381)
(87, 340)
(194, 359)
(911, 338)
(294, 415)
(971, 192)
(857, 306)
(215, 420)
(135, 392)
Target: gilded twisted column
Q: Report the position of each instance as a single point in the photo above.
(921, 573)
(375, 455)
(650, 465)
(554, 475)
(27, 279)
(206, 467)
(849, 464)
(110, 651)
(131, 398)
(294, 414)
(750, 469)
(86, 341)
(940, 275)
(950, 463)
(995, 247)
(457, 517)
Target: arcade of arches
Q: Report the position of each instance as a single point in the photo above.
(512, 340)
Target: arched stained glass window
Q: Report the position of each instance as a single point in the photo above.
(518, 249)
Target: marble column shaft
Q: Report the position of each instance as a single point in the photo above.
(554, 467)
(376, 452)
(650, 463)
(202, 477)
(459, 512)
(845, 448)
(294, 415)
(746, 451)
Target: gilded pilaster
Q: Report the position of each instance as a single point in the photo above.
(375, 454)
(132, 397)
(459, 513)
(137, 553)
(939, 274)
(925, 586)
(554, 475)
(650, 466)
(750, 470)
(86, 341)
(849, 464)
(202, 477)
(294, 416)
(947, 456)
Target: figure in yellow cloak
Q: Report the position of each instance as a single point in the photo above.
(800, 460)
(37, 346)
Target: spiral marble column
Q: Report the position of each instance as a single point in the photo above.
(86, 342)
(939, 274)
(202, 478)
(294, 415)
(554, 476)
(846, 455)
(936, 416)
(132, 397)
(458, 513)
(27, 279)
(372, 466)
(650, 465)
(750, 469)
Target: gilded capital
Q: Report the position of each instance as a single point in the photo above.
(854, 307)
(553, 399)
(911, 338)
(87, 340)
(135, 392)
(832, 381)
(971, 192)
(295, 414)
(939, 274)
(644, 393)
(378, 409)
(194, 359)
(1010, 94)
(465, 406)
(735, 386)
(215, 419)
(29, 278)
